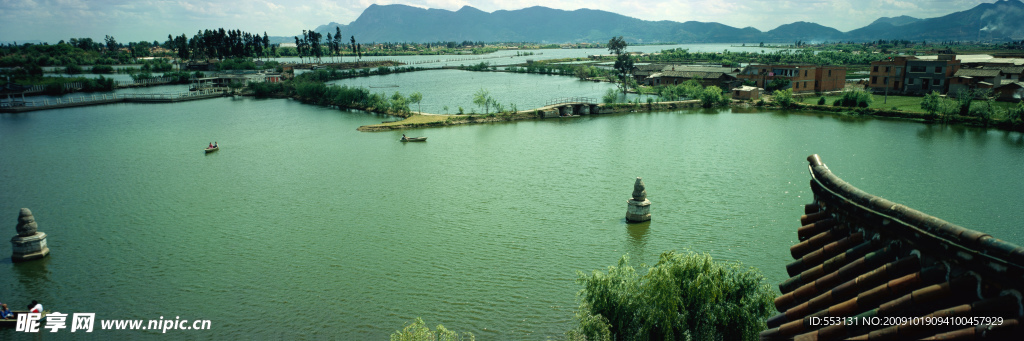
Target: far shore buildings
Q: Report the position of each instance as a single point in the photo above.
(803, 78)
(949, 74)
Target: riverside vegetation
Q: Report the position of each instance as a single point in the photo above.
(974, 108)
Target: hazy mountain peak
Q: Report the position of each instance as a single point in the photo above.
(896, 21)
(469, 9)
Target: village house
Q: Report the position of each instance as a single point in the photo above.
(722, 77)
(974, 78)
(829, 78)
(746, 92)
(948, 74)
(802, 78)
(924, 75)
(888, 74)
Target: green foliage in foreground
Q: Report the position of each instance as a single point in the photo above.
(418, 331)
(685, 296)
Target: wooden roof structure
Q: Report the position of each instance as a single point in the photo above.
(867, 268)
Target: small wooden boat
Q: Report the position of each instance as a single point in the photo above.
(211, 150)
(12, 322)
(414, 139)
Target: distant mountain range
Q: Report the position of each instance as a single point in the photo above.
(999, 21)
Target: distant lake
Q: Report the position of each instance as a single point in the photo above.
(526, 91)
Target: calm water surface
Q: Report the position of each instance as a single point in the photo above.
(482, 229)
(525, 91)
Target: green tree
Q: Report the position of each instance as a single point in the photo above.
(399, 103)
(712, 96)
(685, 296)
(418, 331)
(111, 43)
(337, 43)
(611, 96)
(416, 97)
(1015, 113)
(623, 61)
(783, 98)
(778, 84)
(617, 45)
(931, 102)
(964, 98)
(483, 99)
(73, 69)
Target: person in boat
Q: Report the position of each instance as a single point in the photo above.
(215, 144)
(404, 138)
(211, 145)
(35, 307)
(5, 313)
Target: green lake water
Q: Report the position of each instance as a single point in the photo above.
(302, 227)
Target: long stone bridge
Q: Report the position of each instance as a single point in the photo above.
(16, 106)
(569, 107)
(870, 269)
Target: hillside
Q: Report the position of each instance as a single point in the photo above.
(999, 21)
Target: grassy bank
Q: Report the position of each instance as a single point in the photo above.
(421, 121)
(900, 103)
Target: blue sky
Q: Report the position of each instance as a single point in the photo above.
(136, 20)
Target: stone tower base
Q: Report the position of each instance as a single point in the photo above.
(638, 211)
(30, 247)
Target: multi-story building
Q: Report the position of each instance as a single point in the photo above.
(924, 76)
(888, 74)
(829, 78)
(803, 78)
(948, 74)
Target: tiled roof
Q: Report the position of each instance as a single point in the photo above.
(1012, 85)
(873, 263)
(644, 70)
(700, 68)
(1010, 69)
(689, 74)
(976, 73)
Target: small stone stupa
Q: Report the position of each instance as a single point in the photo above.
(638, 208)
(29, 244)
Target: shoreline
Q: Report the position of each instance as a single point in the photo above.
(421, 120)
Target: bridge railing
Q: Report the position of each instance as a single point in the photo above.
(151, 81)
(570, 100)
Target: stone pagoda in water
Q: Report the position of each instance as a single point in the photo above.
(29, 244)
(638, 208)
